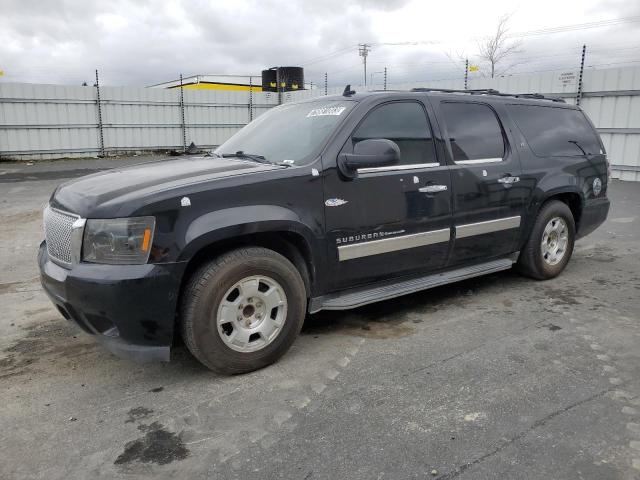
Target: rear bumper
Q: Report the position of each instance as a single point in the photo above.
(594, 213)
(130, 309)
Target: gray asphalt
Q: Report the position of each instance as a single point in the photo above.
(496, 377)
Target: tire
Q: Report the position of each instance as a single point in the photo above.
(256, 290)
(537, 260)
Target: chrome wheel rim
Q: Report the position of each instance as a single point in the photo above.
(251, 313)
(555, 239)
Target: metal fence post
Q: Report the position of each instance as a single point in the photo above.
(466, 73)
(326, 90)
(278, 85)
(100, 126)
(184, 126)
(385, 78)
(250, 98)
(579, 95)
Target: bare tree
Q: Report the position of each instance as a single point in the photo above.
(496, 48)
(457, 59)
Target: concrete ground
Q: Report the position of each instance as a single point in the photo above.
(497, 377)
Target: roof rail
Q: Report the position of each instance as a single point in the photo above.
(490, 91)
(540, 97)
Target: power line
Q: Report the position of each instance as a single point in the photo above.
(328, 56)
(579, 26)
(531, 33)
(422, 42)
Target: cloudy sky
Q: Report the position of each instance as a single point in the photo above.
(142, 42)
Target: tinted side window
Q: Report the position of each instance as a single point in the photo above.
(474, 131)
(406, 124)
(553, 131)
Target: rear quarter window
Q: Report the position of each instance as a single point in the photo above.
(555, 131)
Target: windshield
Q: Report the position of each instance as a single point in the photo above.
(291, 133)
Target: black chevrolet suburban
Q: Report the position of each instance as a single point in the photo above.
(326, 204)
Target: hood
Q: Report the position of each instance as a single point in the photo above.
(138, 181)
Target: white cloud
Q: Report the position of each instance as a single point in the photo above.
(149, 41)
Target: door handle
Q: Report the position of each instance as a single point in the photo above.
(433, 189)
(508, 180)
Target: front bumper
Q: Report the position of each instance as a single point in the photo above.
(594, 213)
(129, 308)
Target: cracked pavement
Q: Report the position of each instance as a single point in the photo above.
(495, 377)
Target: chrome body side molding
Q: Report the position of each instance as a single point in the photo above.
(392, 244)
(490, 226)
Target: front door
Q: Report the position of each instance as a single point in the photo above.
(488, 201)
(395, 220)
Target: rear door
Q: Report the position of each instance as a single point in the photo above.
(488, 203)
(394, 220)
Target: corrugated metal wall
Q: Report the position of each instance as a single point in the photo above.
(50, 121)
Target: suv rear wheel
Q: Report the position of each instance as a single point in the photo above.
(243, 310)
(550, 244)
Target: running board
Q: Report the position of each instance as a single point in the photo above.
(353, 298)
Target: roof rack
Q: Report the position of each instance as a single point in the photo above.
(490, 91)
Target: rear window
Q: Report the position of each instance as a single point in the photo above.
(474, 131)
(555, 132)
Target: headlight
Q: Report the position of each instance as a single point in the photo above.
(118, 241)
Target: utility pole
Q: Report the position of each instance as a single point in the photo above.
(363, 51)
(325, 83)
(579, 96)
(385, 78)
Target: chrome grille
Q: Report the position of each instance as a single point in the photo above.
(57, 232)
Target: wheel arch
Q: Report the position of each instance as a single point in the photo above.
(572, 197)
(269, 226)
(290, 244)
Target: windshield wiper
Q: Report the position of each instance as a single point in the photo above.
(255, 158)
(248, 156)
(578, 145)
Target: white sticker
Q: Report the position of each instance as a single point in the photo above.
(322, 111)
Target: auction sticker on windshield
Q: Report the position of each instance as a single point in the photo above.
(322, 111)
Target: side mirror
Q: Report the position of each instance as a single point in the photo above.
(369, 154)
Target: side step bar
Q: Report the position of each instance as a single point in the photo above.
(358, 297)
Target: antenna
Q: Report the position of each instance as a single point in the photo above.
(347, 91)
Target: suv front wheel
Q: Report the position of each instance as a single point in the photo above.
(243, 310)
(550, 244)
